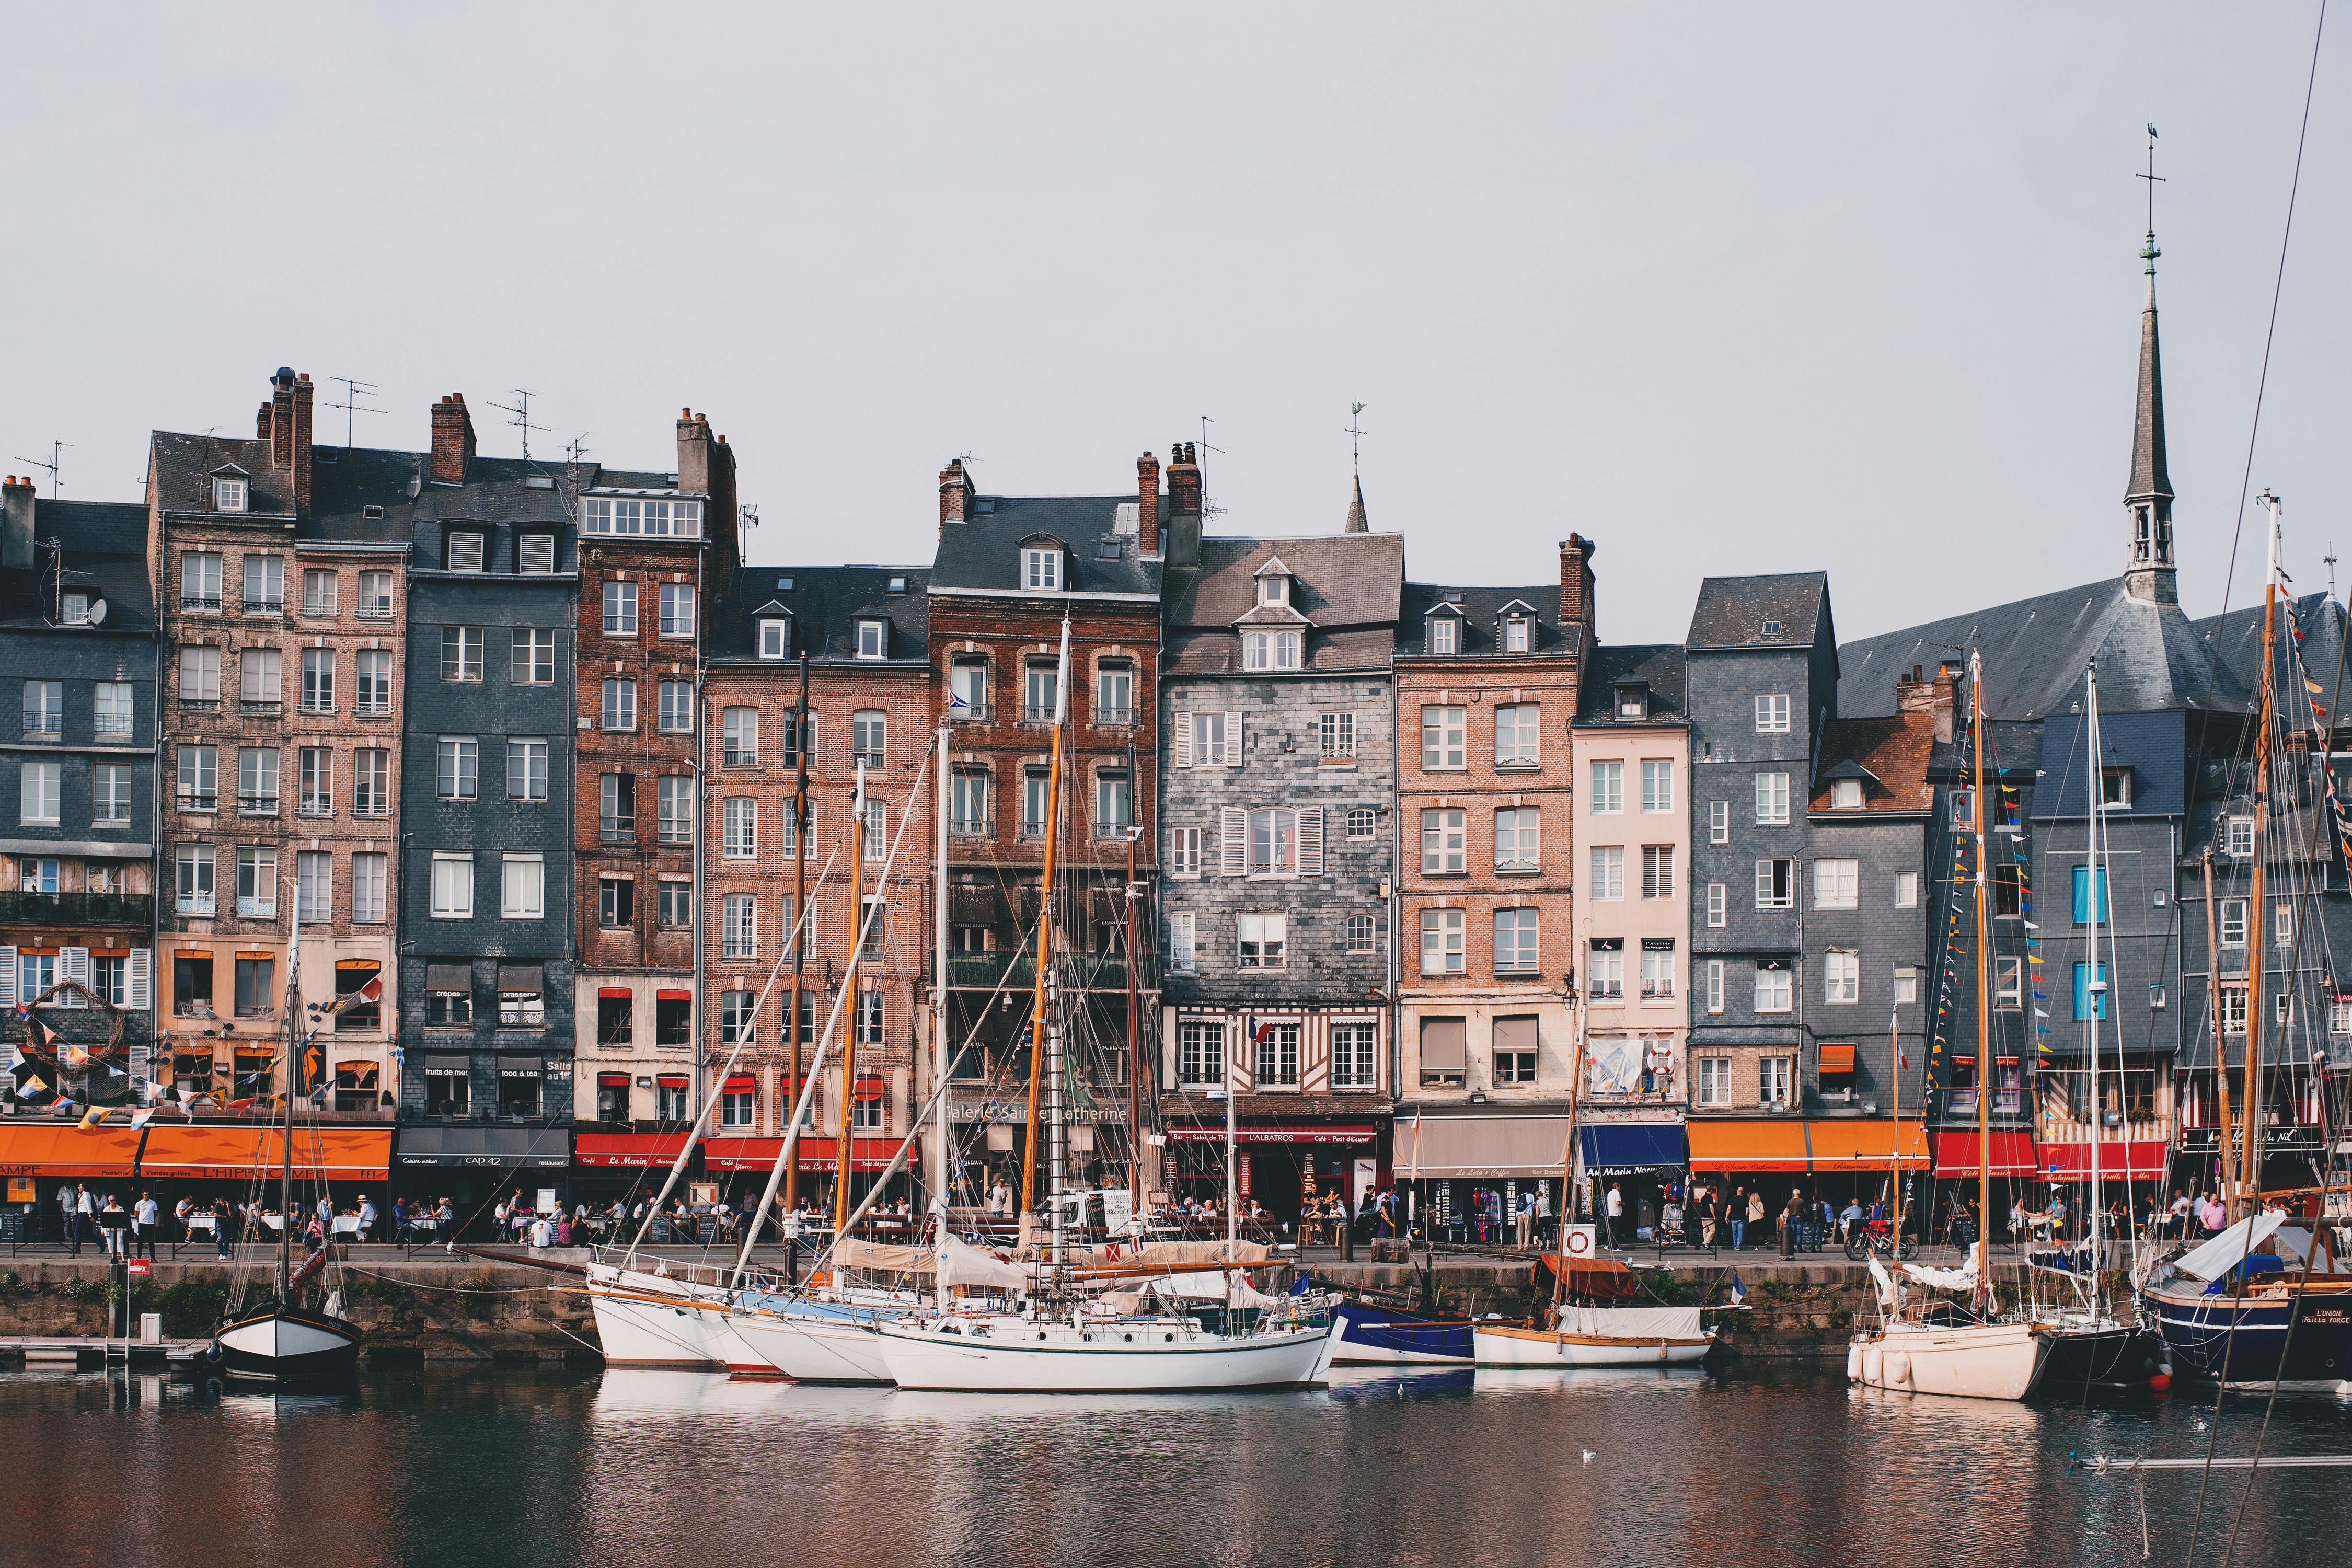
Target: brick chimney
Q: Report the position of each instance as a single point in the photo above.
(17, 523)
(302, 443)
(956, 492)
(1576, 582)
(1147, 505)
(281, 418)
(453, 440)
(1938, 695)
(1183, 478)
(693, 452)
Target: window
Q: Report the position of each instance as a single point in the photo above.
(1845, 794)
(1605, 970)
(456, 765)
(38, 790)
(1775, 987)
(260, 687)
(376, 595)
(1608, 792)
(873, 640)
(968, 689)
(1359, 934)
(1658, 785)
(315, 768)
(873, 823)
(257, 880)
(532, 659)
(775, 637)
(1835, 884)
(45, 709)
(1336, 735)
(1657, 968)
(1775, 884)
(109, 794)
(867, 730)
(228, 494)
(1115, 694)
(620, 609)
(1352, 1065)
(738, 828)
(37, 875)
(1208, 739)
(1184, 855)
(1964, 809)
(1200, 1055)
(2115, 788)
(1514, 941)
(1714, 985)
(674, 808)
(534, 552)
(199, 771)
(2009, 984)
(110, 709)
(522, 891)
(2233, 922)
(1772, 714)
(1443, 733)
(1907, 889)
(1608, 872)
(1715, 1080)
(2339, 1015)
(1041, 679)
(737, 1018)
(1282, 842)
(374, 694)
(370, 877)
(257, 781)
(1771, 799)
(193, 873)
(675, 907)
(1515, 634)
(2083, 895)
(1362, 823)
(200, 581)
(453, 887)
(2009, 891)
(739, 744)
(1906, 985)
(737, 1102)
(1841, 976)
(1442, 840)
(677, 708)
(739, 927)
(318, 680)
(461, 653)
(678, 611)
(2282, 921)
(2090, 991)
(318, 591)
(631, 514)
(1274, 589)
(620, 708)
(462, 550)
(1519, 839)
(199, 677)
(1114, 802)
(370, 782)
(526, 769)
(1040, 570)
(1657, 870)
(448, 1009)
(1776, 1080)
(265, 584)
(1718, 822)
(256, 987)
(2240, 837)
(617, 904)
(1277, 1056)
(314, 885)
(1445, 635)
(2232, 1003)
(1717, 906)
(1182, 954)
(1440, 942)
(1518, 735)
(617, 802)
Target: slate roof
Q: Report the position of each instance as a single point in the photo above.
(1480, 610)
(1731, 611)
(1345, 588)
(1659, 664)
(984, 551)
(105, 553)
(1894, 752)
(183, 467)
(826, 603)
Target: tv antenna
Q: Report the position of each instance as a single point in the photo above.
(748, 515)
(57, 457)
(1208, 508)
(1356, 436)
(520, 409)
(352, 405)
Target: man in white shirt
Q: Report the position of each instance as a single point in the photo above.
(68, 1219)
(85, 1216)
(367, 1218)
(143, 1216)
(1616, 1209)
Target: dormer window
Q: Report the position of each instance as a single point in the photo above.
(228, 492)
(1632, 701)
(775, 636)
(1041, 569)
(2115, 788)
(1771, 628)
(1274, 590)
(1519, 632)
(1444, 635)
(73, 610)
(1128, 518)
(1845, 794)
(1270, 650)
(535, 552)
(873, 640)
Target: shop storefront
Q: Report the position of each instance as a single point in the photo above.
(1644, 1160)
(1835, 1160)
(623, 1165)
(205, 1161)
(1290, 1170)
(742, 1164)
(1463, 1175)
(472, 1165)
(2009, 1160)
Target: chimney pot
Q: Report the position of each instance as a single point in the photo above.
(453, 440)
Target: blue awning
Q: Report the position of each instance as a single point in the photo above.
(1624, 1149)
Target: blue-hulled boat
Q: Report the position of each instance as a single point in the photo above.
(2225, 1311)
(1382, 1336)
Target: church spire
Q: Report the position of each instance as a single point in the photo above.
(1356, 520)
(2148, 500)
(1355, 523)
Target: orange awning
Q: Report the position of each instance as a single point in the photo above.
(235, 1151)
(1777, 1144)
(62, 1149)
(1865, 1145)
(1837, 1058)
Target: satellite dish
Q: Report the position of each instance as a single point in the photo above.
(98, 612)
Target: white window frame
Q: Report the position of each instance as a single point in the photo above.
(1183, 953)
(1607, 795)
(453, 886)
(1772, 714)
(523, 888)
(1776, 988)
(873, 640)
(1608, 883)
(1262, 940)
(1657, 785)
(1837, 883)
(1771, 800)
(1184, 852)
(1907, 889)
(1717, 906)
(1441, 933)
(1841, 977)
(1445, 737)
(1040, 570)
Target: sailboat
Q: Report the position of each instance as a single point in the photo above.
(283, 1340)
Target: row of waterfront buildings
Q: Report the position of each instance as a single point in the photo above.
(521, 739)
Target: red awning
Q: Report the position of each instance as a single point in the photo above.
(1837, 1058)
(1347, 1132)
(672, 995)
(671, 1081)
(741, 1083)
(612, 1080)
(613, 993)
(627, 1150)
(871, 1089)
(2137, 1160)
(1956, 1152)
(867, 1154)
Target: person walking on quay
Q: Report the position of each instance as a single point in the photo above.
(114, 1221)
(1616, 1214)
(1756, 1210)
(223, 1222)
(1791, 1218)
(145, 1215)
(85, 1216)
(1526, 1221)
(1543, 1214)
(1710, 1210)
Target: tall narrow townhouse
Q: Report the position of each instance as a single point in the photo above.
(1009, 570)
(657, 550)
(77, 885)
(1277, 863)
(1631, 764)
(859, 636)
(1487, 684)
(282, 580)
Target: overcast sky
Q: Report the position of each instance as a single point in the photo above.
(1748, 290)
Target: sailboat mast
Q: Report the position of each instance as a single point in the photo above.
(2249, 1177)
(2213, 1014)
(1984, 995)
(2096, 871)
(293, 1082)
(849, 991)
(1568, 1177)
(1044, 924)
(800, 918)
(937, 1177)
(1134, 1001)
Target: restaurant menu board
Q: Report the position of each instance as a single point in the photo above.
(12, 1228)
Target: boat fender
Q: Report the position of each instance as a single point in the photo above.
(1871, 1357)
(1854, 1361)
(1898, 1368)
(2159, 1381)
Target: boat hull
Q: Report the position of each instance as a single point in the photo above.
(648, 1320)
(1973, 1361)
(1560, 1347)
(954, 1360)
(2110, 1355)
(1380, 1336)
(812, 1347)
(2198, 1336)
(288, 1345)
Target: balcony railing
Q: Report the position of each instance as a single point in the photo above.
(1037, 712)
(968, 827)
(260, 707)
(267, 605)
(1111, 831)
(194, 904)
(318, 607)
(257, 907)
(737, 758)
(43, 727)
(200, 704)
(78, 909)
(200, 601)
(112, 729)
(257, 804)
(1032, 828)
(380, 610)
(317, 806)
(977, 713)
(198, 800)
(1111, 718)
(368, 805)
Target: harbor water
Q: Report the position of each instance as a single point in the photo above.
(1749, 1467)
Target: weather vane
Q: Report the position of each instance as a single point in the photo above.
(2148, 252)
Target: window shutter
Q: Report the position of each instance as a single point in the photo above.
(1763, 883)
(8, 976)
(1232, 828)
(1310, 841)
(1231, 755)
(138, 986)
(1183, 739)
(73, 964)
